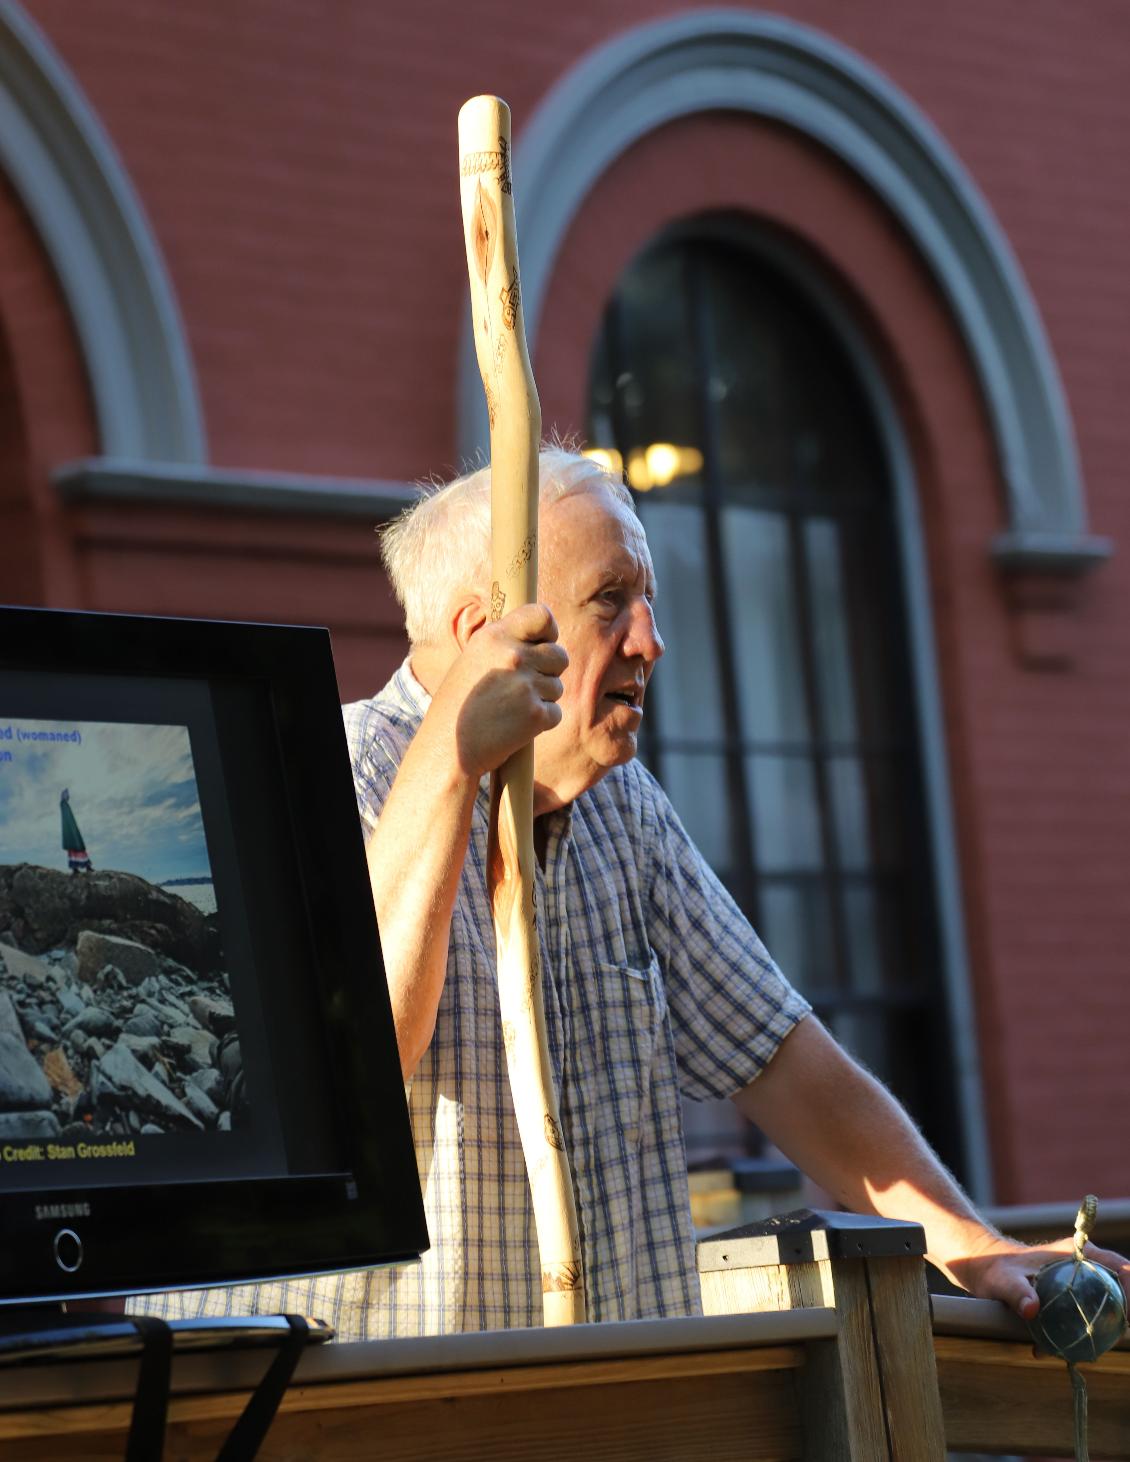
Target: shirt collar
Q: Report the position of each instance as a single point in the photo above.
(408, 691)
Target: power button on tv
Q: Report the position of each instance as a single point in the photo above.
(68, 1250)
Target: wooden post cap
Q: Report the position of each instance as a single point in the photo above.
(807, 1234)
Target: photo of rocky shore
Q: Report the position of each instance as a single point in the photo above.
(116, 1020)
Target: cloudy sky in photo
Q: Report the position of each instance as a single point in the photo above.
(133, 794)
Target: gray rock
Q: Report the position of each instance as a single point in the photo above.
(64, 966)
(23, 1126)
(145, 1048)
(224, 1122)
(23, 966)
(213, 1014)
(72, 1003)
(196, 1046)
(150, 1129)
(9, 1019)
(109, 977)
(197, 1102)
(95, 1020)
(23, 1086)
(166, 1013)
(96, 951)
(42, 1031)
(230, 1060)
(120, 1079)
(144, 1022)
(211, 1083)
(178, 972)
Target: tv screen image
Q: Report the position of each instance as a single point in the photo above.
(117, 1022)
(199, 1080)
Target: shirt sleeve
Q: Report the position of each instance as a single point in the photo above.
(377, 743)
(731, 1007)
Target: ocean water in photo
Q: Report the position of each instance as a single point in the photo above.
(202, 894)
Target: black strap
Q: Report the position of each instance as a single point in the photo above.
(151, 1399)
(246, 1437)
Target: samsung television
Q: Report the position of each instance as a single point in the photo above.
(199, 1080)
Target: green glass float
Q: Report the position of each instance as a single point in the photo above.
(1082, 1314)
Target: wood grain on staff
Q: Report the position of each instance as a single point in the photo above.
(515, 433)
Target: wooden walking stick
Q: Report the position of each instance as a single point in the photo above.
(515, 434)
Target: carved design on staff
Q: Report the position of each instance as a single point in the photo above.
(489, 163)
(497, 603)
(522, 557)
(511, 298)
(484, 233)
(553, 1132)
(561, 1279)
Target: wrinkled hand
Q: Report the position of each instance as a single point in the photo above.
(1002, 1269)
(503, 689)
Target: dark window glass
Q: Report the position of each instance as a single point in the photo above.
(781, 721)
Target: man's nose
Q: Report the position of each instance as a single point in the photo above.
(643, 637)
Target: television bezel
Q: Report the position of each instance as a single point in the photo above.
(151, 1236)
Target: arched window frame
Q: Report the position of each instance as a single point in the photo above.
(85, 209)
(777, 69)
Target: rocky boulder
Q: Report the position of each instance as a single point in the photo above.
(44, 908)
(23, 1086)
(9, 1019)
(99, 954)
(119, 1080)
(19, 966)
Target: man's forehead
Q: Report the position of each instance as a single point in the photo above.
(591, 533)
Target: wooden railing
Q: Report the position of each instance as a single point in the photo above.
(821, 1344)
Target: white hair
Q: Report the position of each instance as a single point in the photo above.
(440, 546)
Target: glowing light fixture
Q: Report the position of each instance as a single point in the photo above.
(607, 457)
(656, 465)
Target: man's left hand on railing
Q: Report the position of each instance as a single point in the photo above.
(1002, 1269)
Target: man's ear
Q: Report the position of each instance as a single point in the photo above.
(469, 614)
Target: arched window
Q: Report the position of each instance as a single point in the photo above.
(782, 722)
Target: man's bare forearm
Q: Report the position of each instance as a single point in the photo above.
(846, 1131)
(415, 856)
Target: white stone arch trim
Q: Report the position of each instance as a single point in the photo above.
(734, 60)
(76, 190)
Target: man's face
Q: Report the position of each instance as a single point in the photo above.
(596, 576)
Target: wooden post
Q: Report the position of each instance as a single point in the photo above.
(872, 1394)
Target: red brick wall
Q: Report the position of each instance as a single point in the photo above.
(297, 163)
(46, 416)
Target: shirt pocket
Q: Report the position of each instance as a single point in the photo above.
(632, 1008)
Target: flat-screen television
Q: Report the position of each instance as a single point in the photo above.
(199, 1080)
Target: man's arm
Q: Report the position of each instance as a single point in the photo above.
(846, 1131)
(496, 696)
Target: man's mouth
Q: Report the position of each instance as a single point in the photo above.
(628, 695)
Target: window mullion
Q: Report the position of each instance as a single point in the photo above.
(841, 952)
(747, 886)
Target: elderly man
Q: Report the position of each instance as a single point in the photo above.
(654, 982)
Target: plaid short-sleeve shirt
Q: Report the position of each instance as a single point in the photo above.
(654, 984)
